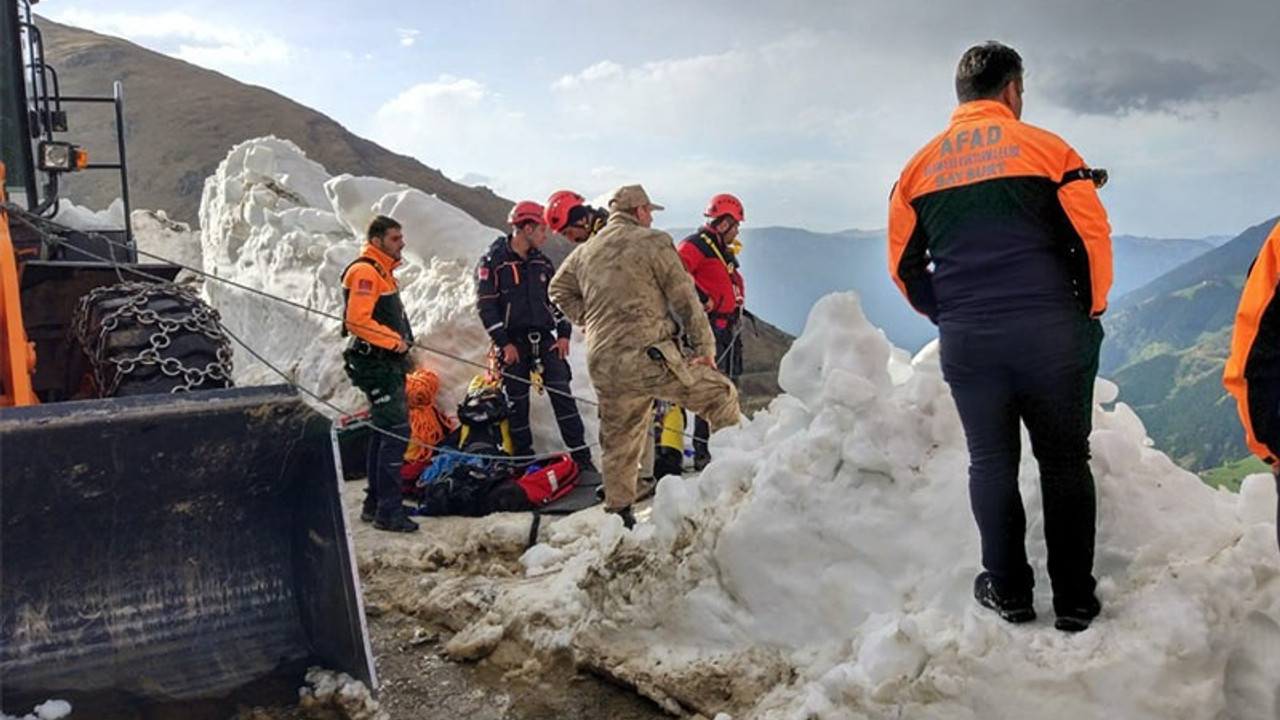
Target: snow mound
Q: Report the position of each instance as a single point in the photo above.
(821, 567)
(276, 222)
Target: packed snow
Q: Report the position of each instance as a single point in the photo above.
(821, 567)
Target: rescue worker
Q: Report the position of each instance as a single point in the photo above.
(997, 235)
(624, 286)
(709, 257)
(569, 215)
(377, 361)
(1252, 374)
(530, 336)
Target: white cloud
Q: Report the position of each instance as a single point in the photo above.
(408, 36)
(456, 125)
(208, 44)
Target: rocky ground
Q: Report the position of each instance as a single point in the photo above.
(411, 635)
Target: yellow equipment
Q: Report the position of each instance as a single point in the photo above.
(172, 546)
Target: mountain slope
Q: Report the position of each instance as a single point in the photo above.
(788, 269)
(181, 120)
(1166, 344)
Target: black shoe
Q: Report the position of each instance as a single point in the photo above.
(398, 523)
(701, 461)
(1077, 617)
(628, 519)
(366, 516)
(586, 465)
(1015, 608)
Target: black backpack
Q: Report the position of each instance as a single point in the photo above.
(466, 490)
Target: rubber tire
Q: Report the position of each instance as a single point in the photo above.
(191, 348)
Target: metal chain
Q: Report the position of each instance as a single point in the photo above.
(135, 308)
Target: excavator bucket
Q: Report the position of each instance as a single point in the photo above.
(173, 555)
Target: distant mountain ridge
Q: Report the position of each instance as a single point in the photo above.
(1166, 345)
(788, 269)
(181, 120)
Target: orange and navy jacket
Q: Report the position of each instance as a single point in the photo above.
(511, 294)
(1007, 216)
(1252, 374)
(374, 312)
(714, 268)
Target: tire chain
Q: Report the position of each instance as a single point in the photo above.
(200, 319)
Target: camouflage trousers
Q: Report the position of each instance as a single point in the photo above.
(626, 414)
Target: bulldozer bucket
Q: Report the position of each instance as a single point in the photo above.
(173, 555)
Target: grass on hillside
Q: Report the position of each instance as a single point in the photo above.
(1230, 475)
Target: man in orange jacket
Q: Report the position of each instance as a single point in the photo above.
(377, 360)
(1252, 374)
(997, 235)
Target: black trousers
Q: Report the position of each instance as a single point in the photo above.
(380, 375)
(1038, 371)
(555, 376)
(729, 362)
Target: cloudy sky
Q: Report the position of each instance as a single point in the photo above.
(807, 109)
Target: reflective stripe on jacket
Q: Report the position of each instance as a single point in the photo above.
(1001, 211)
(714, 269)
(511, 294)
(1252, 374)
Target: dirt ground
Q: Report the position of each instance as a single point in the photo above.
(418, 682)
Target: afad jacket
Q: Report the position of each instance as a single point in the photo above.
(714, 269)
(511, 294)
(374, 312)
(997, 216)
(1252, 374)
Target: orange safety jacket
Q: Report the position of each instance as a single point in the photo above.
(374, 312)
(1252, 374)
(995, 216)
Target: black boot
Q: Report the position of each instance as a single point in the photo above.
(397, 522)
(1012, 607)
(628, 519)
(1075, 617)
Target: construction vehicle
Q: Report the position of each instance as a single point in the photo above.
(171, 546)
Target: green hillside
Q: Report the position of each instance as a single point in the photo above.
(1166, 345)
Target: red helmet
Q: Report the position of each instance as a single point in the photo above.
(525, 211)
(725, 204)
(558, 207)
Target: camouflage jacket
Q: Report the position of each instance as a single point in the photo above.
(629, 289)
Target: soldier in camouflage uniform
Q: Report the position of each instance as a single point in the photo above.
(630, 290)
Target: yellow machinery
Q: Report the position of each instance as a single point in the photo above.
(170, 546)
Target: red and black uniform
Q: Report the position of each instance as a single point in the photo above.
(1252, 374)
(511, 297)
(996, 233)
(715, 273)
(375, 318)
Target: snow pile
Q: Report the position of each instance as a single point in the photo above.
(274, 221)
(47, 710)
(821, 567)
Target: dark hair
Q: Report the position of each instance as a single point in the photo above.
(577, 213)
(985, 69)
(379, 226)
